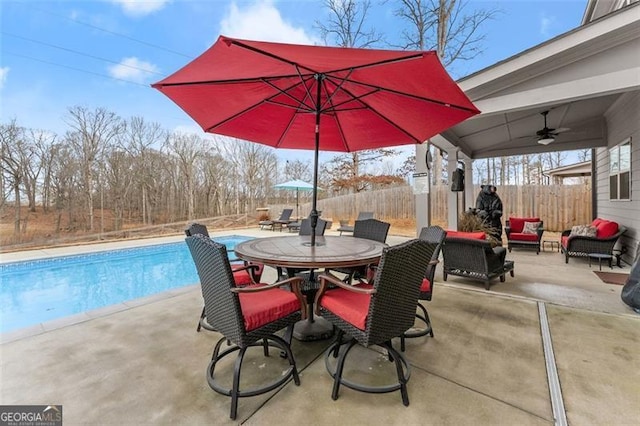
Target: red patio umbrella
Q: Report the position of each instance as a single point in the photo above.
(316, 97)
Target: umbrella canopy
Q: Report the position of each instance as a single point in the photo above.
(316, 97)
(298, 185)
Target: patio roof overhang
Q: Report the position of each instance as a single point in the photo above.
(577, 76)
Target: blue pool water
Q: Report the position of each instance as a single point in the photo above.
(36, 291)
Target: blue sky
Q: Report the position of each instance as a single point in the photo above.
(57, 54)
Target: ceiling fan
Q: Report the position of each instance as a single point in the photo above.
(547, 135)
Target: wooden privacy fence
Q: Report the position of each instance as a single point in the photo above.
(560, 206)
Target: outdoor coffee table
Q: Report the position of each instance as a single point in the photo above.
(553, 243)
(600, 257)
(294, 252)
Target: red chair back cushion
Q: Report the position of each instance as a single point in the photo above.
(426, 286)
(350, 306)
(471, 235)
(263, 307)
(517, 223)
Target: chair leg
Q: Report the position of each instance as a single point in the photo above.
(339, 368)
(339, 336)
(236, 383)
(289, 355)
(202, 315)
(399, 370)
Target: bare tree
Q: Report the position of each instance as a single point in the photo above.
(139, 139)
(345, 24)
(11, 139)
(446, 27)
(64, 170)
(185, 148)
(91, 133)
(297, 169)
(255, 167)
(345, 27)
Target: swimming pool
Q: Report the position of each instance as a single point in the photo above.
(37, 291)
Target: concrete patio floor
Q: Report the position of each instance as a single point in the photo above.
(142, 362)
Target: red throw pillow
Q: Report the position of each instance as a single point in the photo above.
(472, 235)
(606, 229)
(596, 221)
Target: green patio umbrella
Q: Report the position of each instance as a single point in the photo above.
(298, 185)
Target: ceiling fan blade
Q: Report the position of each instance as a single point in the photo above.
(560, 130)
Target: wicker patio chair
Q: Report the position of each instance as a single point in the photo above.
(517, 236)
(371, 229)
(373, 314)
(246, 317)
(474, 259)
(582, 246)
(436, 235)
(345, 227)
(247, 274)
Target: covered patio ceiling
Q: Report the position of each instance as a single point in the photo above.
(576, 76)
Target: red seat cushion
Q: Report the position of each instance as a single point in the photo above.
(519, 236)
(563, 240)
(471, 235)
(350, 306)
(517, 223)
(426, 286)
(606, 229)
(264, 307)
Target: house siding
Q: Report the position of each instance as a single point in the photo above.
(623, 121)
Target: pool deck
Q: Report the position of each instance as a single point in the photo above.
(142, 362)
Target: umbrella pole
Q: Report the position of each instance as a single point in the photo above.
(314, 211)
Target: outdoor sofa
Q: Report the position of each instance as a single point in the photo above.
(598, 238)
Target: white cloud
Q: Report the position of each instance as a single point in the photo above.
(136, 8)
(3, 75)
(133, 69)
(261, 21)
(546, 22)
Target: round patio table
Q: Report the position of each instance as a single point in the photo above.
(294, 252)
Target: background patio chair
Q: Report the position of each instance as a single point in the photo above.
(295, 226)
(470, 255)
(283, 220)
(435, 235)
(243, 275)
(244, 316)
(373, 314)
(371, 229)
(524, 232)
(345, 227)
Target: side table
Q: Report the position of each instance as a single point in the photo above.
(553, 243)
(600, 257)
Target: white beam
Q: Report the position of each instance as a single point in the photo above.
(590, 87)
